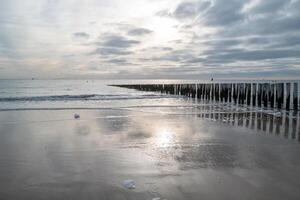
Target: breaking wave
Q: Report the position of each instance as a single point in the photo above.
(83, 97)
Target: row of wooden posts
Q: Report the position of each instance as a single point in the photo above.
(281, 95)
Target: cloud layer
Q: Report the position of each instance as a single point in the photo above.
(150, 39)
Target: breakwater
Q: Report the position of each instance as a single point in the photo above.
(281, 95)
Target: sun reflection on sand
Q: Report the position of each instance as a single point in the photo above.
(164, 137)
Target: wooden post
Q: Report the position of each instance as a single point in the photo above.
(254, 94)
(295, 96)
(279, 95)
(288, 96)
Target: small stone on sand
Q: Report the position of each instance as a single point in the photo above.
(76, 116)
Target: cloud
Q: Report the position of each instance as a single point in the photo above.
(255, 36)
(118, 61)
(81, 35)
(185, 38)
(163, 13)
(190, 9)
(255, 55)
(265, 7)
(129, 29)
(112, 44)
(116, 41)
(110, 51)
(157, 49)
(211, 13)
(223, 13)
(139, 32)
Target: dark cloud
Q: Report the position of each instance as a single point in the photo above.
(117, 61)
(190, 9)
(286, 42)
(110, 51)
(196, 60)
(129, 29)
(221, 43)
(139, 31)
(112, 44)
(266, 18)
(223, 13)
(156, 48)
(81, 35)
(255, 37)
(186, 10)
(264, 7)
(116, 41)
(255, 55)
(211, 13)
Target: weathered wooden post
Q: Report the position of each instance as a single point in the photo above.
(208, 91)
(248, 93)
(199, 91)
(230, 92)
(212, 92)
(194, 87)
(265, 94)
(235, 93)
(259, 94)
(271, 95)
(226, 92)
(217, 92)
(241, 93)
(295, 96)
(288, 96)
(202, 91)
(254, 91)
(279, 95)
(222, 96)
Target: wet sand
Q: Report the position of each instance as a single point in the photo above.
(210, 155)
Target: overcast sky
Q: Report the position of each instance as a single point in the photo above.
(149, 38)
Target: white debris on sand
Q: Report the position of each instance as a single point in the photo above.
(277, 114)
(76, 116)
(129, 184)
(158, 198)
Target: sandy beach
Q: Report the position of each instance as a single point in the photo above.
(47, 154)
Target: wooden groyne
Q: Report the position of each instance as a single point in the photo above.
(281, 95)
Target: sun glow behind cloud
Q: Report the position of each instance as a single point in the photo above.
(164, 29)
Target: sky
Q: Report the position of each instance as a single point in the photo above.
(149, 39)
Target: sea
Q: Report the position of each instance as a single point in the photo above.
(78, 94)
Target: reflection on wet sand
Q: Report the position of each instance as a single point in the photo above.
(168, 155)
(285, 123)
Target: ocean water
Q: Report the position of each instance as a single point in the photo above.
(77, 94)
